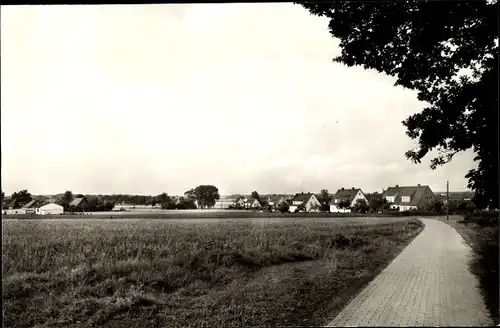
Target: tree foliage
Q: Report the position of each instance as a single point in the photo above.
(255, 195)
(206, 195)
(427, 46)
(283, 207)
(67, 198)
(325, 196)
(21, 197)
(344, 204)
(361, 206)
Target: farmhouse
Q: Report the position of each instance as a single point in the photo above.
(78, 204)
(50, 208)
(224, 203)
(349, 195)
(455, 196)
(247, 202)
(309, 201)
(32, 207)
(409, 197)
(240, 201)
(252, 203)
(275, 200)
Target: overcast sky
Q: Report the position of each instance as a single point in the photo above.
(145, 99)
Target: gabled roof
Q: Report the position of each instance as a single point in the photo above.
(414, 192)
(455, 195)
(250, 200)
(33, 204)
(275, 198)
(76, 201)
(302, 197)
(346, 194)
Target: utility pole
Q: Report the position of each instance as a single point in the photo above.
(447, 200)
(383, 201)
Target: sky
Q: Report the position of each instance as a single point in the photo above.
(144, 99)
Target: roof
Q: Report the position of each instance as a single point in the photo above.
(225, 201)
(250, 200)
(33, 204)
(346, 194)
(302, 197)
(51, 205)
(414, 192)
(275, 198)
(76, 201)
(455, 195)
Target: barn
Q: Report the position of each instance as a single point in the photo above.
(50, 209)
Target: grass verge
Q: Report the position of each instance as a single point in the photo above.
(485, 265)
(114, 273)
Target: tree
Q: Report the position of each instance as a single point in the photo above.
(190, 194)
(206, 195)
(283, 207)
(361, 206)
(166, 202)
(255, 195)
(344, 204)
(22, 197)
(67, 199)
(436, 206)
(325, 196)
(427, 46)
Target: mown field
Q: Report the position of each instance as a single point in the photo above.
(167, 273)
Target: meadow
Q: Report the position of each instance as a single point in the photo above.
(179, 273)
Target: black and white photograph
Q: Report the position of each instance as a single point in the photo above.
(279, 164)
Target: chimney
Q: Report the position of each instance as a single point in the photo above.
(342, 188)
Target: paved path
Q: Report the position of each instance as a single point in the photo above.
(428, 284)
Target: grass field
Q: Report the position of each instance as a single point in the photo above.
(159, 273)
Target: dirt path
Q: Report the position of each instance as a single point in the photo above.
(428, 284)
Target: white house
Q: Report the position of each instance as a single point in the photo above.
(350, 195)
(14, 211)
(224, 203)
(276, 200)
(247, 202)
(252, 203)
(32, 207)
(409, 197)
(50, 208)
(308, 200)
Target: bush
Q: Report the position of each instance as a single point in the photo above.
(283, 207)
(325, 208)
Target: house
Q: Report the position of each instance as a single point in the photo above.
(224, 203)
(409, 197)
(50, 208)
(78, 204)
(252, 203)
(275, 200)
(308, 200)
(455, 196)
(123, 207)
(32, 207)
(350, 195)
(240, 201)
